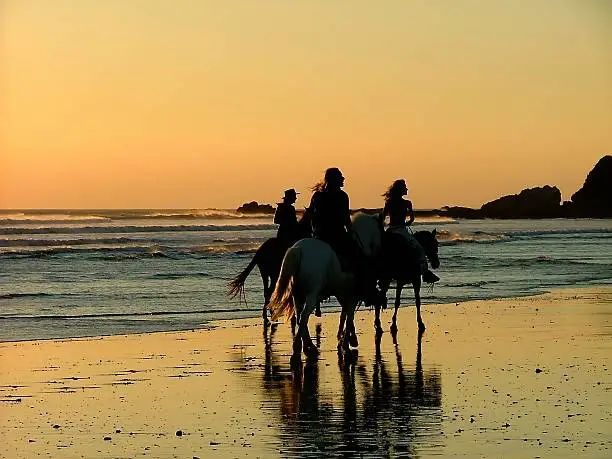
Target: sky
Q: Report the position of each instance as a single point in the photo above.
(212, 103)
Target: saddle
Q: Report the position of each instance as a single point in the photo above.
(397, 251)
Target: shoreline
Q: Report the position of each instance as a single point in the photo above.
(256, 313)
(469, 386)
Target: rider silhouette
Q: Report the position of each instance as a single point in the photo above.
(331, 222)
(329, 207)
(286, 218)
(398, 209)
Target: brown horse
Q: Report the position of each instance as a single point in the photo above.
(268, 258)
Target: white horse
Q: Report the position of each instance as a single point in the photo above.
(311, 272)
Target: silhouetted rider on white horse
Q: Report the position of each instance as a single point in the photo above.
(331, 223)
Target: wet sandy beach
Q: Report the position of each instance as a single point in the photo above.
(525, 377)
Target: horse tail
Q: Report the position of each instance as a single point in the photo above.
(281, 303)
(235, 287)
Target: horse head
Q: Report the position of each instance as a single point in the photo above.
(429, 242)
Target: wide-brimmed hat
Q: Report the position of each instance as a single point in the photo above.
(291, 193)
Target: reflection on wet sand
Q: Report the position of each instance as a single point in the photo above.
(373, 405)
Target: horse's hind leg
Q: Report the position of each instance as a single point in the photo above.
(398, 300)
(302, 335)
(267, 295)
(417, 300)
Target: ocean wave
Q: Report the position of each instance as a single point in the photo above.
(122, 251)
(36, 217)
(133, 229)
(127, 252)
(237, 248)
(446, 237)
(78, 216)
(541, 260)
(122, 315)
(11, 296)
(64, 242)
(179, 275)
(572, 232)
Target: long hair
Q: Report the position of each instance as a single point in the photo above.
(319, 186)
(395, 189)
(331, 174)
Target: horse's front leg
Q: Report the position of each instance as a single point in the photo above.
(377, 324)
(398, 300)
(416, 284)
(341, 325)
(384, 287)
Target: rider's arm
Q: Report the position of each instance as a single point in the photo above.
(385, 211)
(410, 213)
(278, 215)
(347, 213)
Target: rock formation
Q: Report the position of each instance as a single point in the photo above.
(594, 199)
(539, 202)
(254, 207)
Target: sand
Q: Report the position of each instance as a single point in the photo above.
(522, 377)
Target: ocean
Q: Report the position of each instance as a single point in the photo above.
(75, 273)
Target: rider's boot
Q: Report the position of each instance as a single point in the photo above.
(428, 276)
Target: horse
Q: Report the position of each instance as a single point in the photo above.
(268, 258)
(311, 271)
(397, 265)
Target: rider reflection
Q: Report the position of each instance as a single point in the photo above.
(383, 409)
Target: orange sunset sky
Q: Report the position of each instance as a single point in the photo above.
(210, 103)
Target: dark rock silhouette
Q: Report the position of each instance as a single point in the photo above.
(254, 207)
(594, 199)
(539, 202)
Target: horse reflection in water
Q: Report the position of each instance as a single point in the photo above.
(383, 410)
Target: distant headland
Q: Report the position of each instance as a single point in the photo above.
(593, 200)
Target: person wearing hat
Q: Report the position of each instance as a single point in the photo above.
(398, 210)
(286, 218)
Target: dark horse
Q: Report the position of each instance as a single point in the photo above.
(399, 265)
(268, 258)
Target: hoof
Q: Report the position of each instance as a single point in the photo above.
(393, 328)
(421, 326)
